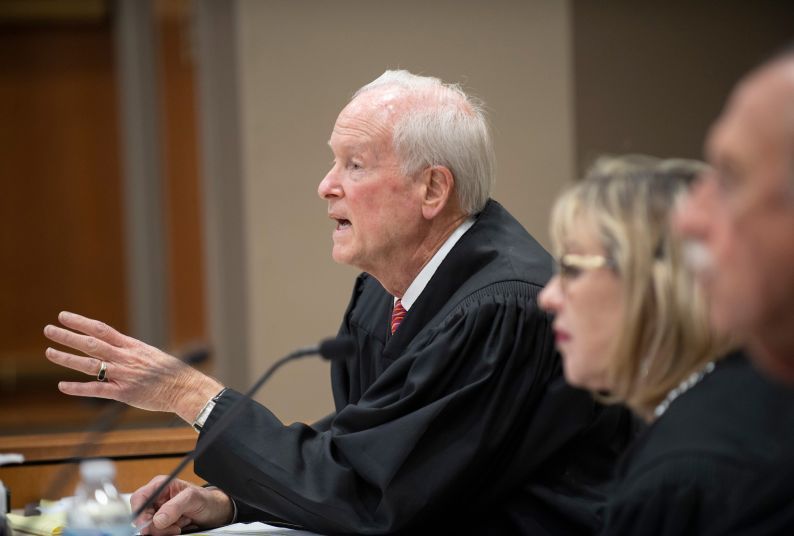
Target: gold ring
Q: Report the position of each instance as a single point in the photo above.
(102, 375)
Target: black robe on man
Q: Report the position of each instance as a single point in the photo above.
(459, 421)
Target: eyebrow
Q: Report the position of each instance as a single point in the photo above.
(358, 149)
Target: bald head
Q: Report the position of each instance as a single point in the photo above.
(742, 214)
(761, 108)
(418, 92)
(434, 124)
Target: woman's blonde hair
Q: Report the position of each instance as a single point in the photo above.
(665, 335)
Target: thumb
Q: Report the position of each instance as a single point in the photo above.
(162, 520)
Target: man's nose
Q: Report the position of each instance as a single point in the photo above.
(330, 187)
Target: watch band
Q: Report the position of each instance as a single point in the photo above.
(201, 419)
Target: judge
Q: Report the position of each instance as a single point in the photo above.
(632, 327)
(740, 223)
(451, 412)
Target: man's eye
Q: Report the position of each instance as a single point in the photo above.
(354, 165)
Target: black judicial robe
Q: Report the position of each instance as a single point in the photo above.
(459, 421)
(706, 457)
(767, 507)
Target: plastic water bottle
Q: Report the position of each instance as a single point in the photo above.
(98, 509)
(5, 497)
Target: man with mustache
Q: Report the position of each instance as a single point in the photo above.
(740, 221)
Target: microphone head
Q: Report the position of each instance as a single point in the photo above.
(195, 355)
(338, 348)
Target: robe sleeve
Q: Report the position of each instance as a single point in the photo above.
(444, 423)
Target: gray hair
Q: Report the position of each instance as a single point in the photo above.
(445, 127)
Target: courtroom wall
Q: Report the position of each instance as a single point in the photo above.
(651, 77)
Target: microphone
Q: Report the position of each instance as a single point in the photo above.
(337, 348)
(329, 349)
(106, 421)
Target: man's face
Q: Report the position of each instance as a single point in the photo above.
(742, 211)
(376, 207)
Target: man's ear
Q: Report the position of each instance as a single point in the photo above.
(438, 186)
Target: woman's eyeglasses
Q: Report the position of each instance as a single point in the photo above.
(571, 265)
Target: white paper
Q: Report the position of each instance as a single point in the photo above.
(252, 529)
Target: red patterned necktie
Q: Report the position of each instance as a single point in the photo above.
(397, 316)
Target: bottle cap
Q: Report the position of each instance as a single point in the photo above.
(97, 469)
(11, 458)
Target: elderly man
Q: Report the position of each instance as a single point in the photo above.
(740, 220)
(451, 413)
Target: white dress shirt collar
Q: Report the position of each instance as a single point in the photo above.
(420, 282)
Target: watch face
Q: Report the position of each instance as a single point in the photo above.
(198, 424)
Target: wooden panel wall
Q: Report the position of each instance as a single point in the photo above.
(61, 221)
(60, 204)
(187, 316)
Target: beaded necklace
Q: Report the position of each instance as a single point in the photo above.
(688, 383)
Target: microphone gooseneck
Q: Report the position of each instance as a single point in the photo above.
(330, 349)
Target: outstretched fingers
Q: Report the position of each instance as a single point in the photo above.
(94, 328)
(137, 374)
(86, 365)
(93, 389)
(87, 344)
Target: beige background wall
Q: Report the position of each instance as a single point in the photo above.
(299, 64)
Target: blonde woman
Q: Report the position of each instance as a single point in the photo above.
(632, 327)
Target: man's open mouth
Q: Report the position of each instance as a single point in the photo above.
(342, 223)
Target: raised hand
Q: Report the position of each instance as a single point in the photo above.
(134, 372)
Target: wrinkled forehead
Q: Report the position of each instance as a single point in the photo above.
(370, 116)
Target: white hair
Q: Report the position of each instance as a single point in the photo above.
(444, 127)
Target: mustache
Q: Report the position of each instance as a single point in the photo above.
(697, 257)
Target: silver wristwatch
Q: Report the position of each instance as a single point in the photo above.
(201, 419)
